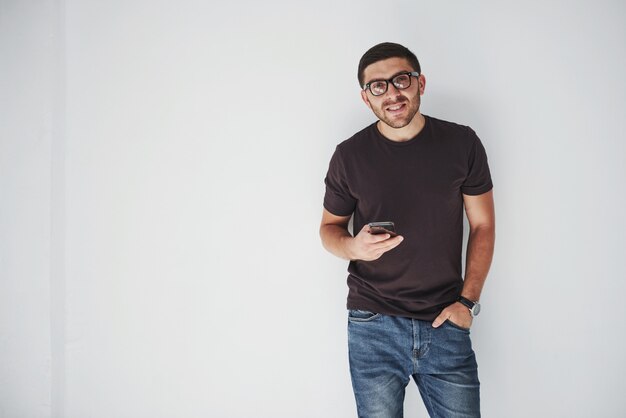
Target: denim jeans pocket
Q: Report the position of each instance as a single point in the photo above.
(453, 325)
(358, 315)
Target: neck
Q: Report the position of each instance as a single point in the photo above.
(405, 133)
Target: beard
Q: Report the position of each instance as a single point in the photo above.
(398, 121)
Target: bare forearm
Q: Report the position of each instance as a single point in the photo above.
(336, 240)
(478, 261)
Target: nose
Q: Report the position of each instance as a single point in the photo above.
(392, 92)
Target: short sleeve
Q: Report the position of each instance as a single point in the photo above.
(478, 179)
(338, 199)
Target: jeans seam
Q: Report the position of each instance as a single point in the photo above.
(371, 318)
(430, 404)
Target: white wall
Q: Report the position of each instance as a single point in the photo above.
(159, 245)
(31, 293)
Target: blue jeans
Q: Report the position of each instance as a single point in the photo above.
(385, 351)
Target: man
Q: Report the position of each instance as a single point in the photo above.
(409, 308)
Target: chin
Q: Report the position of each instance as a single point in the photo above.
(397, 124)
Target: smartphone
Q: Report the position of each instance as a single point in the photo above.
(377, 228)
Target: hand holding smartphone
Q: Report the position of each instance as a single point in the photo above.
(365, 247)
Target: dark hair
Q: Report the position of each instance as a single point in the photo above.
(384, 51)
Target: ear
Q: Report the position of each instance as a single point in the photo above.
(365, 99)
(422, 83)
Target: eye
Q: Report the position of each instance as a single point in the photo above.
(402, 81)
(378, 87)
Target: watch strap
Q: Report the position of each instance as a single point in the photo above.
(465, 301)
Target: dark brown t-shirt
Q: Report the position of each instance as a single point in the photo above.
(417, 184)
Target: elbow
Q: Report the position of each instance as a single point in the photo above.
(486, 229)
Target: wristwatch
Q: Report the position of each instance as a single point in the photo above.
(474, 307)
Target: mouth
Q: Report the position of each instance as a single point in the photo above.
(396, 108)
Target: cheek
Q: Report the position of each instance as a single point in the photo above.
(366, 101)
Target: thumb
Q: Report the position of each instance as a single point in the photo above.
(443, 316)
(366, 228)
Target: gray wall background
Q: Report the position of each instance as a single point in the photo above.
(161, 170)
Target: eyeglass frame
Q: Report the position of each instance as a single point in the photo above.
(390, 80)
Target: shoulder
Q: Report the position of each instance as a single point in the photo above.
(450, 129)
(359, 141)
(453, 137)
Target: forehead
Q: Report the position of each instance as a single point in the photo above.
(385, 69)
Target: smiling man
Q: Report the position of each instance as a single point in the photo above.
(409, 307)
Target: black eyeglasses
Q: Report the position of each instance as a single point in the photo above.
(400, 81)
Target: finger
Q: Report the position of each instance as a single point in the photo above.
(396, 241)
(389, 244)
(443, 316)
(378, 248)
(376, 238)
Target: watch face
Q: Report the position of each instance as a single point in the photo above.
(476, 309)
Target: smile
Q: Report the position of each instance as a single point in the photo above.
(396, 108)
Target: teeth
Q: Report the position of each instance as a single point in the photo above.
(395, 107)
